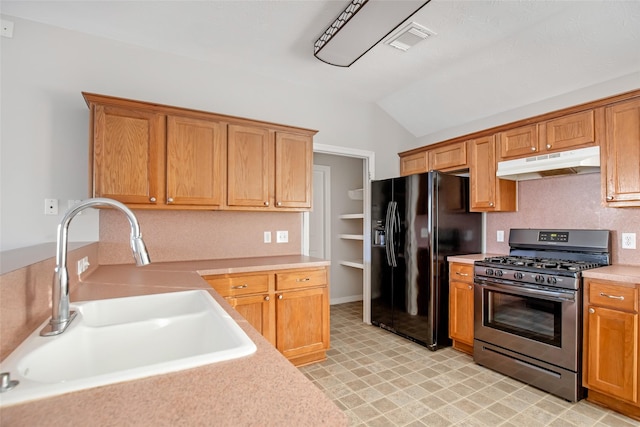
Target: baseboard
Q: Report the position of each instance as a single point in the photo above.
(342, 300)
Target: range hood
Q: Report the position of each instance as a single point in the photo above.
(579, 161)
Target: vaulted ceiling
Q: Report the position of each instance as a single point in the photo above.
(487, 56)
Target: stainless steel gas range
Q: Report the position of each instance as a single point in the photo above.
(528, 307)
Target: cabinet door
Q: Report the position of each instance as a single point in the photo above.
(259, 312)
(196, 161)
(518, 142)
(461, 312)
(621, 157)
(449, 157)
(302, 319)
(572, 131)
(489, 193)
(414, 163)
(293, 170)
(612, 353)
(128, 152)
(249, 166)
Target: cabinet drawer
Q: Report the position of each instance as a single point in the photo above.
(461, 272)
(617, 297)
(239, 285)
(301, 279)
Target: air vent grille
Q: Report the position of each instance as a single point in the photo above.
(408, 36)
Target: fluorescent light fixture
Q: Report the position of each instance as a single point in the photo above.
(361, 26)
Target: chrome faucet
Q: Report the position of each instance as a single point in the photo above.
(61, 317)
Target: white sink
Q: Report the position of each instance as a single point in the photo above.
(123, 339)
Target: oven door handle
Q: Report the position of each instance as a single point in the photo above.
(521, 290)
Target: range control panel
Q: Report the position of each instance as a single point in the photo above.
(553, 236)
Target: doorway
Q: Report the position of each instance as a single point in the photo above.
(360, 267)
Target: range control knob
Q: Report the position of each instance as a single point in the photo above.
(489, 272)
(518, 275)
(539, 278)
(551, 280)
(499, 273)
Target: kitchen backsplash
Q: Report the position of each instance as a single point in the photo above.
(566, 202)
(194, 235)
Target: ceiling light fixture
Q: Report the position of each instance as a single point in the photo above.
(361, 26)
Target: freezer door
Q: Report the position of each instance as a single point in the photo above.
(381, 269)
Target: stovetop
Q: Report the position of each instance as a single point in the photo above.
(546, 265)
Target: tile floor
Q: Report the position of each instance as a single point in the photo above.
(381, 379)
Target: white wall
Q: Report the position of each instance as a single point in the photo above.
(44, 135)
(587, 94)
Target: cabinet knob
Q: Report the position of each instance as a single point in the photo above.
(591, 310)
(152, 199)
(548, 146)
(278, 203)
(491, 204)
(533, 148)
(267, 298)
(170, 200)
(280, 296)
(266, 203)
(609, 198)
(470, 287)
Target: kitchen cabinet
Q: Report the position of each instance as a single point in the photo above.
(611, 351)
(488, 193)
(449, 157)
(620, 154)
(268, 170)
(461, 306)
(414, 163)
(289, 307)
(563, 133)
(154, 156)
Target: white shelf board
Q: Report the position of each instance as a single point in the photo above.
(352, 236)
(352, 216)
(355, 264)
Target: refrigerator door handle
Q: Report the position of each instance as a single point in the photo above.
(395, 227)
(387, 227)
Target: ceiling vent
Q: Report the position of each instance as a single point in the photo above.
(408, 36)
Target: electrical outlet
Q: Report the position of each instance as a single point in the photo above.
(267, 237)
(500, 236)
(282, 236)
(51, 206)
(83, 265)
(628, 240)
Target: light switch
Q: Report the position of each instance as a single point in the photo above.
(500, 236)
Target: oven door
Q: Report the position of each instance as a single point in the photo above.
(537, 322)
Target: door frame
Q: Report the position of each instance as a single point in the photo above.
(326, 174)
(368, 171)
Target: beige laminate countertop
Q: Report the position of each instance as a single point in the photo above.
(262, 389)
(617, 273)
(471, 258)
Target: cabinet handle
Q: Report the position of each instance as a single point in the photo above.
(591, 310)
(548, 146)
(267, 298)
(470, 287)
(170, 200)
(280, 296)
(306, 279)
(152, 199)
(462, 274)
(533, 148)
(240, 286)
(619, 297)
(266, 203)
(278, 203)
(609, 198)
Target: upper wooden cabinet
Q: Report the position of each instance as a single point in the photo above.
(563, 133)
(414, 163)
(488, 193)
(161, 157)
(620, 155)
(449, 157)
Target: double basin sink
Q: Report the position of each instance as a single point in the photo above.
(122, 339)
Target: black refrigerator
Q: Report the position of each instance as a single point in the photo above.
(418, 221)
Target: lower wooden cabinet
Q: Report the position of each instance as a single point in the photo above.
(611, 353)
(290, 308)
(461, 306)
